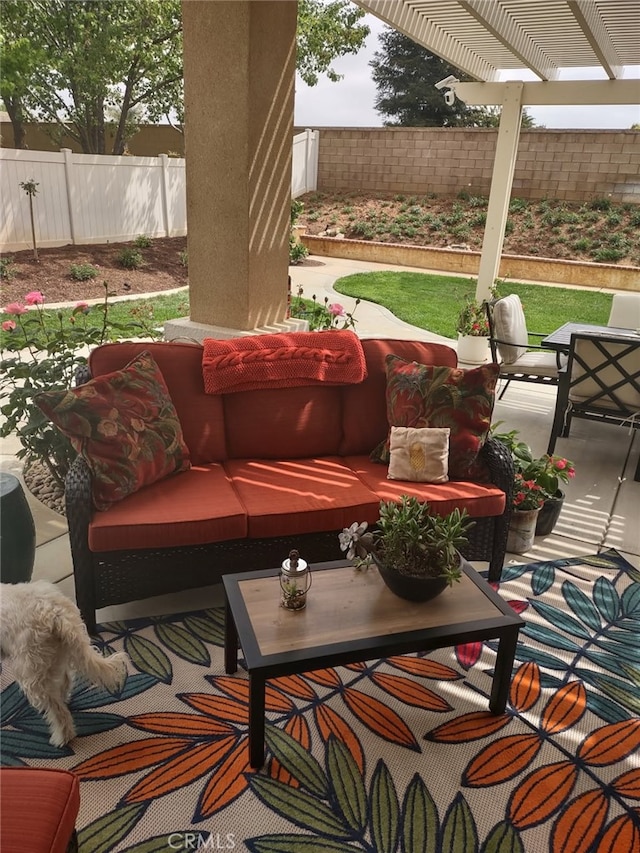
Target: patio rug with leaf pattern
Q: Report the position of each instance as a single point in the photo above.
(388, 755)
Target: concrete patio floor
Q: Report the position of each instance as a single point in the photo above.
(601, 510)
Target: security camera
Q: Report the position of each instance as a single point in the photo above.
(449, 97)
(442, 84)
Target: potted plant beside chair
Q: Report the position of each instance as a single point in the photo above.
(473, 333)
(544, 472)
(416, 553)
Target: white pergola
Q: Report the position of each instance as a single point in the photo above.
(486, 38)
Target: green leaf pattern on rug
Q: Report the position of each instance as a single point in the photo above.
(102, 834)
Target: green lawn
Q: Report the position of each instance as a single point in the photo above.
(430, 302)
(433, 302)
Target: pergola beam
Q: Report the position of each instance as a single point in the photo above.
(409, 21)
(588, 17)
(565, 93)
(501, 25)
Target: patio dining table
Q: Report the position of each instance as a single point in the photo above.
(560, 340)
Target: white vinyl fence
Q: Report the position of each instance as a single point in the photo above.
(90, 198)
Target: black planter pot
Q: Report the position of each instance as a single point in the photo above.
(410, 588)
(17, 532)
(549, 514)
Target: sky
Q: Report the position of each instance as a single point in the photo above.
(349, 103)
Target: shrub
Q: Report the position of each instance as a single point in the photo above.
(142, 242)
(41, 351)
(600, 204)
(7, 269)
(82, 272)
(130, 259)
(184, 258)
(518, 205)
(608, 254)
(362, 229)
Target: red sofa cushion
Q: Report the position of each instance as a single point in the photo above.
(300, 496)
(364, 408)
(479, 499)
(192, 508)
(284, 423)
(38, 809)
(201, 415)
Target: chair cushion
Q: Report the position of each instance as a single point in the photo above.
(534, 363)
(38, 809)
(616, 366)
(419, 455)
(462, 400)
(479, 499)
(296, 496)
(125, 426)
(510, 325)
(197, 507)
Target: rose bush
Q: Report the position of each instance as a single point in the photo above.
(322, 316)
(41, 351)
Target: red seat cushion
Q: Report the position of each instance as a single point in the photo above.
(38, 809)
(300, 496)
(192, 508)
(479, 499)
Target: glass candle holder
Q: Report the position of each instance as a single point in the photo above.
(295, 580)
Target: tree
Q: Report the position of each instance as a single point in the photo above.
(20, 59)
(406, 73)
(326, 31)
(79, 63)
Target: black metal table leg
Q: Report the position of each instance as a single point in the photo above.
(230, 640)
(502, 674)
(256, 719)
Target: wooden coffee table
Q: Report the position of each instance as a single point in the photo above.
(351, 616)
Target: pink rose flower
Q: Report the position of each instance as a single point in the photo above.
(571, 472)
(81, 306)
(8, 326)
(336, 309)
(561, 464)
(34, 298)
(15, 308)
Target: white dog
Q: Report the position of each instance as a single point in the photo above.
(44, 637)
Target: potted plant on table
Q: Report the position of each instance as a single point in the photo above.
(473, 333)
(416, 553)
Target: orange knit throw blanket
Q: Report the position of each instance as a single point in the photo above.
(282, 361)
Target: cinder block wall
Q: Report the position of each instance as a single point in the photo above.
(576, 165)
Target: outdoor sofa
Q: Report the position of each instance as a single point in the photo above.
(271, 469)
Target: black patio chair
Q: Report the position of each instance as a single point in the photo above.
(510, 347)
(601, 382)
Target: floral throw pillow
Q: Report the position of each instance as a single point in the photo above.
(420, 395)
(125, 426)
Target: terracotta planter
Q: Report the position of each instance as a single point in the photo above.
(409, 588)
(522, 529)
(549, 514)
(472, 349)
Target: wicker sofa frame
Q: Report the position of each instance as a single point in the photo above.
(115, 577)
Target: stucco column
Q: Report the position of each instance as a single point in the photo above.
(239, 71)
